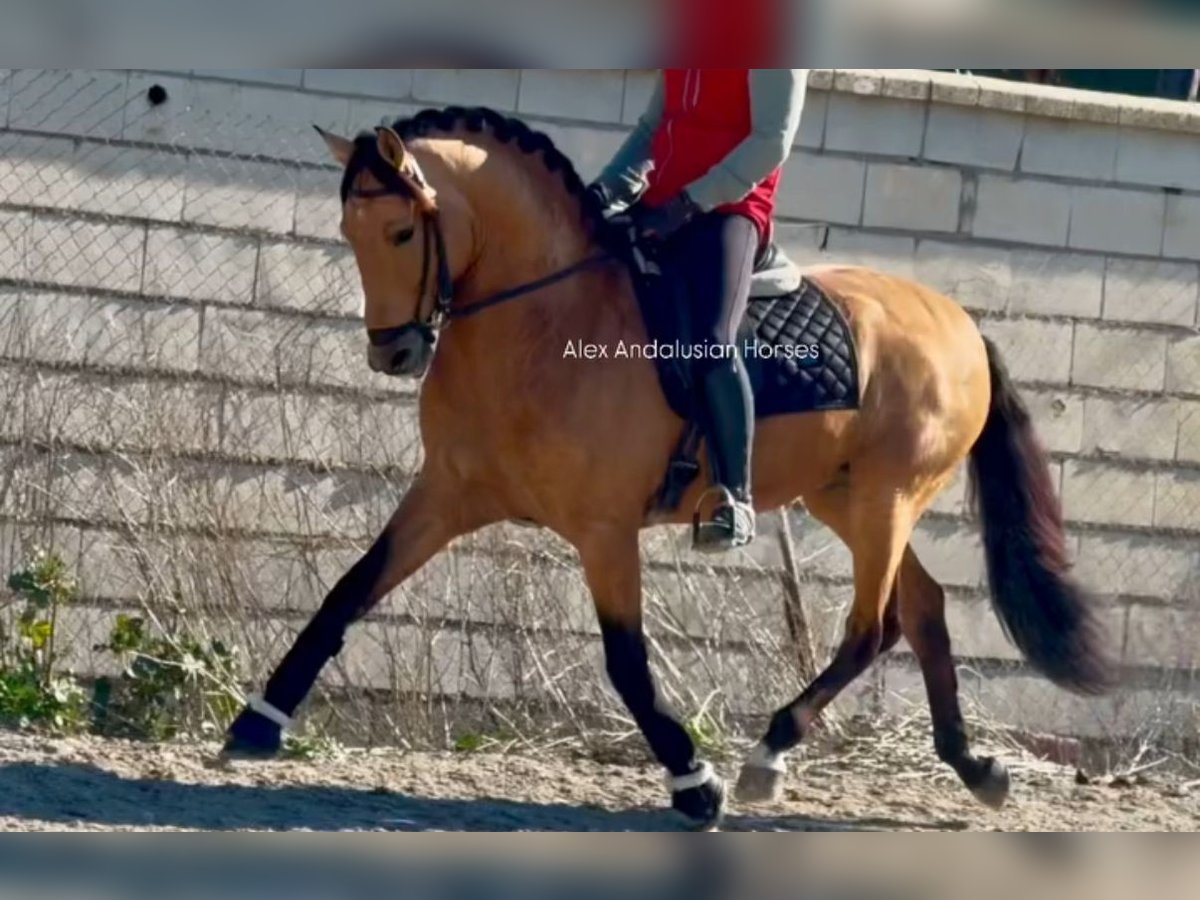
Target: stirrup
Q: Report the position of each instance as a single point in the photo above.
(731, 525)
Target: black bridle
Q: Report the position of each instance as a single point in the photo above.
(367, 158)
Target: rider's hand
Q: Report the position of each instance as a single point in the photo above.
(602, 198)
(660, 222)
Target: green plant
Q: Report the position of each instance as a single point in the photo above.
(31, 692)
(172, 683)
(311, 746)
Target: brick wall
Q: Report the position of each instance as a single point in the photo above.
(182, 357)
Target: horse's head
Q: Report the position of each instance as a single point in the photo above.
(400, 231)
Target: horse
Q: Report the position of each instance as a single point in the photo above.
(482, 258)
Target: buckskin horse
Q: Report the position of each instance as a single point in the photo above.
(481, 260)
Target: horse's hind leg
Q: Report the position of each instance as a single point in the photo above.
(923, 620)
(876, 525)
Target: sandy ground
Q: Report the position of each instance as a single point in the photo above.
(89, 784)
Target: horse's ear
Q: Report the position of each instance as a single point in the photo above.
(391, 148)
(341, 148)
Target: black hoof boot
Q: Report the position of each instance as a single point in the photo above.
(703, 806)
(252, 736)
(991, 786)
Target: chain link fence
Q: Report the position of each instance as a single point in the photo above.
(186, 415)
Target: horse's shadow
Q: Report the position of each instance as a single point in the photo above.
(71, 793)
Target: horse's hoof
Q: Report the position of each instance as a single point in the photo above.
(992, 788)
(252, 737)
(758, 784)
(703, 807)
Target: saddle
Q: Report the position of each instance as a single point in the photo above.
(796, 345)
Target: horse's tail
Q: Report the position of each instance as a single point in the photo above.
(1045, 613)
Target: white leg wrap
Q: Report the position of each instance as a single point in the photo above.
(761, 757)
(702, 775)
(267, 711)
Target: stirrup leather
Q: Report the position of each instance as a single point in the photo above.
(731, 525)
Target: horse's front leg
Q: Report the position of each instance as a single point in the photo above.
(432, 514)
(613, 570)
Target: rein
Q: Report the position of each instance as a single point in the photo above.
(434, 245)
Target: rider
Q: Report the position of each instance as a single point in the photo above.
(699, 173)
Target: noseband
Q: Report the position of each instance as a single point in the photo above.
(433, 255)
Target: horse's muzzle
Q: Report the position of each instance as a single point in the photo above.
(404, 352)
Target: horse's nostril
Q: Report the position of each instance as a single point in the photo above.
(400, 359)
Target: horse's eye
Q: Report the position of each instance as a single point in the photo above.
(403, 236)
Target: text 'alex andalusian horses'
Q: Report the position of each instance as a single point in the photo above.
(481, 261)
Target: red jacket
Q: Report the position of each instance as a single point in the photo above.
(706, 114)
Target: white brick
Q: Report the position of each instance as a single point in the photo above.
(271, 348)
(86, 254)
(639, 88)
(38, 171)
(126, 181)
(1034, 349)
(1069, 149)
(977, 277)
(1182, 237)
(291, 426)
(235, 194)
(1177, 500)
(1058, 417)
(1117, 220)
(1188, 445)
(1103, 494)
(1026, 210)
(950, 552)
(593, 94)
(391, 436)
(874, 126)
(1158, 159)
(1183, 365)
(496, 88)
(68, 101)
(801, 242)
(101, 178)
(1140, 565)
(319, 205)
(5, 93)
(811, 133)
(288, 77)
(914, 198)
(26, 488)
(975, 631)
(312, 279)
(199, 266)
(1139, 428)
(1056, 284)
(370, 82)
(15, 229)
(893, 254)
(1162, 636)
(1122, 358)
(590, 149)
(112, 333)
(366, 114)
(121, 412)
(1151, 291)
(235, 118)
(822, 188)
(973, 137)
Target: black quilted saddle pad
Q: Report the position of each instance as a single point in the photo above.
(798, 350)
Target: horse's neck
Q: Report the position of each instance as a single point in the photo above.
(528, 227)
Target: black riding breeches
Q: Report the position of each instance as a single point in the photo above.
(713, 258)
